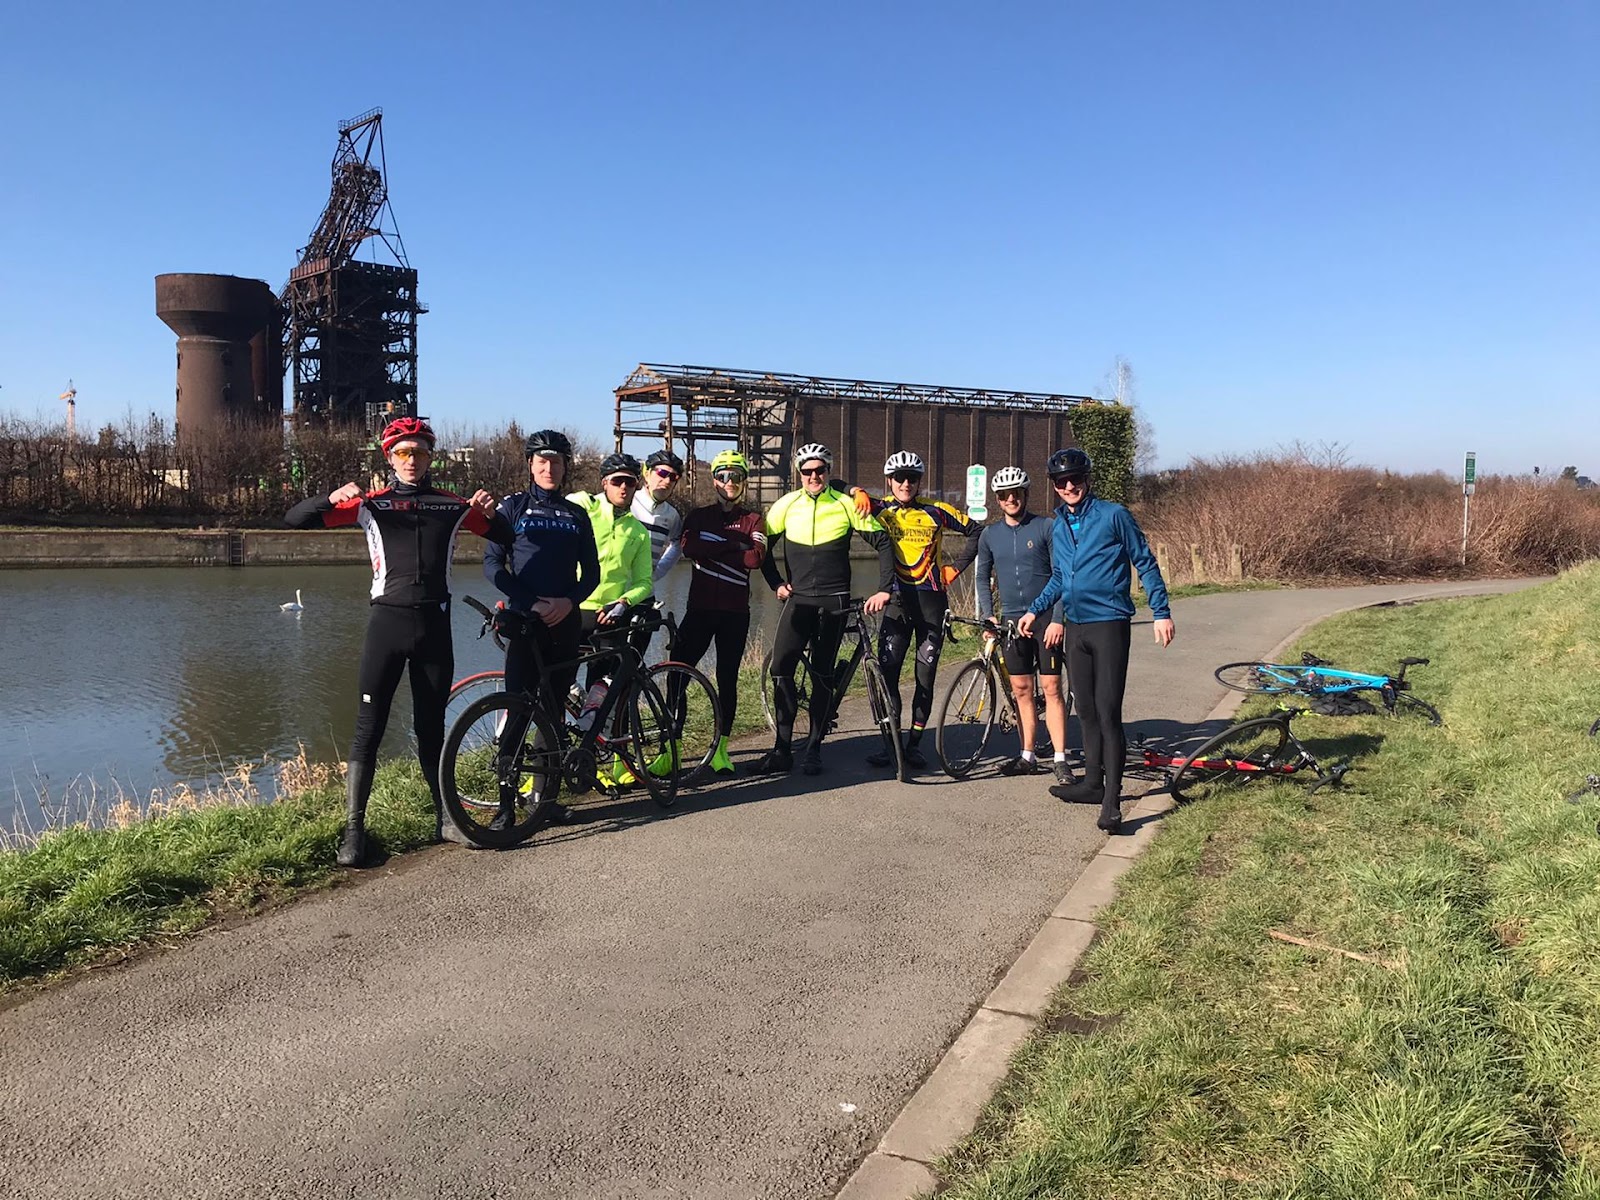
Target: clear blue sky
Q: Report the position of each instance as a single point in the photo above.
(1367, 223)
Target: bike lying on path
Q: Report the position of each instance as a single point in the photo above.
(1317, 677)
(508, 755)
(1258, 748)
(689, 693)
(858, 634)
(979, 699)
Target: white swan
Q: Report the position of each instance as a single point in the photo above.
(293, 605)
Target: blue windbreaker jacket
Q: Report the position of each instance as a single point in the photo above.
(1089, 566)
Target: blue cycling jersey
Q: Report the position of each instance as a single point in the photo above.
(1018, 557)
(1091, 553)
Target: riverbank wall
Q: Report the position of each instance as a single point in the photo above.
(21, 548)
(191, 548)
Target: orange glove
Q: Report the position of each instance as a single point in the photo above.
(949, 574)
(863, 502)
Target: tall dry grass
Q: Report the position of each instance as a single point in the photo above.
(1298, 516)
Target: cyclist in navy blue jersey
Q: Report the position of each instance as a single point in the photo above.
(549, 568)
(411, 529)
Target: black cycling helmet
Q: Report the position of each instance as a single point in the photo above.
(1069, 462)
(667, 458)
(618, 464)
(547, 441)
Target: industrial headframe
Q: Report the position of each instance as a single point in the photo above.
(769, 415)
(349, 327)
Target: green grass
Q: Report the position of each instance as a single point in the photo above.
(82, 894)
(1198, 1058)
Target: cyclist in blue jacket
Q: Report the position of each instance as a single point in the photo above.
(1094, 544)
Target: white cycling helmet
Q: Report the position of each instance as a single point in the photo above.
(813, 450)
(903, 460)
(1008, 478)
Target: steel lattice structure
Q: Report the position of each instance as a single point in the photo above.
(766, 414)
(350, 327)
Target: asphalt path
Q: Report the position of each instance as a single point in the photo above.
(732, 999)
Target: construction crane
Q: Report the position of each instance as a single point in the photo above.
(71, 397)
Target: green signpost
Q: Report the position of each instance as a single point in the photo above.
(977, 488)
(1469, 484)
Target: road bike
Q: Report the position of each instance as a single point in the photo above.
(689, 692)
(1259, 748)
(508, 755)
(1317, 677)
(858, 635)
(979, 699)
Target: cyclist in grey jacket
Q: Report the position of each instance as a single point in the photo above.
(1015, 552)
(1095, 543)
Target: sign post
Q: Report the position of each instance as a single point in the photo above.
(1469, 484)
(977, 491)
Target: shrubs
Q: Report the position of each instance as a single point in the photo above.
(1296, 517)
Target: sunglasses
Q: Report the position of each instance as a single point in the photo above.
(1063, 480)
(810, 471)
(407, 453)
(728, 476)
(906, 477)
(666, 473)
(624, 481)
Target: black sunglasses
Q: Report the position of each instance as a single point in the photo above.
(624, 481)
(728, 475)
(813, 470)
(1063, 480)
(906, 477)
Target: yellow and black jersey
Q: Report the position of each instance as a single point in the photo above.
(916, 531)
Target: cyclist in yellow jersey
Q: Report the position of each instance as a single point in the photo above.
(917, 527)
(813, 526)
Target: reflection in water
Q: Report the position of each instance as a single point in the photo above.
(142, 678)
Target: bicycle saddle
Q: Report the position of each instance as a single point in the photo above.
(1311, 660)
(1413, 662)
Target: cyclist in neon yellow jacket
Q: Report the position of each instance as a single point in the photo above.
(623, 545)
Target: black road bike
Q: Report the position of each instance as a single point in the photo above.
(508, 755)
(857, 647)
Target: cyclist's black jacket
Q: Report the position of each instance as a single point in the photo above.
(816, 543)
(411, 536)
(552, 552)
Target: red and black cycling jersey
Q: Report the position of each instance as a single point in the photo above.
(411, 536)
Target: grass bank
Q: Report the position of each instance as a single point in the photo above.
(1194, 1056)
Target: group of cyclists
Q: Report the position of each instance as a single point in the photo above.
(576, 562)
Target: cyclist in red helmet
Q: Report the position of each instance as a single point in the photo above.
(411, 529)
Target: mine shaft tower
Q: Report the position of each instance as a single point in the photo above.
(349, 327)
(769, 415)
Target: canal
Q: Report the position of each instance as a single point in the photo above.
(122, 682)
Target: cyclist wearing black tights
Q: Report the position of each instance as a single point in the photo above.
(814, 523)
(411, 529)
(923, 572)
(1095, 544)
(548, 570)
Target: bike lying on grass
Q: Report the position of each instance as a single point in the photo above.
(689, 693)
(1318, 678)
(858, 634)
(508, 754)
(979, 699)
(1258, 748)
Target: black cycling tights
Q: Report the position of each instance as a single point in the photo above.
(819, 623)
(729, 630)
(397, 637)
(914, 617)
(1097, 671)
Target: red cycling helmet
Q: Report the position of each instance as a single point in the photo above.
(402, 428)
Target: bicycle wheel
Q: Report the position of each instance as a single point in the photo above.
(883, 715)
(696, 726)
(1264, 677)
(1407, 705)
(648, 741)
(501, 764)
(464, 691)
(1250, 750)
(966, 719)
(802, 698)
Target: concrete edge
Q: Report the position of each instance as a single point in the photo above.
(945, 1108)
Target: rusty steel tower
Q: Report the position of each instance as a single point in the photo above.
(350, 327)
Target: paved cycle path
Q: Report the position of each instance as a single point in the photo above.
(731, 1000)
